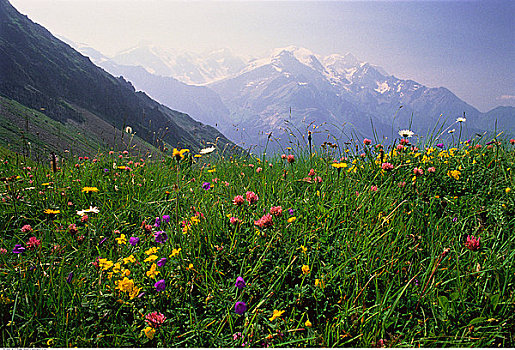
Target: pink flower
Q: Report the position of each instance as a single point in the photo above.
(259, 169)
(401, 184)
(291, 158)
(251, 197)
(367, 142)
(311, 172)
(418, 171)
(400, 147)
(283, 156)
(276, 211)
(414, 149)
(404, 142)
(238, 200)
(373, 188)
(512, 141)
(72, 229)
(155, 319)
(251, 165)
(387, 166)
(265, 221)
(33, 243)
(26, 229)
(84, 218)
(472, 243)
(234, 221)
(431, 169)
(3, 251)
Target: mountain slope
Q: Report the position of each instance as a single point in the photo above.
(42, 72)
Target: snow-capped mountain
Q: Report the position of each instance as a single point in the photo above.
(294, 89)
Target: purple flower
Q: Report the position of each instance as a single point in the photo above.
(290, 211)
(454, 219)
(161, 262)
(240, 308)
(206, 185)
(240, 283)
(102, 241)
(439, 145)
(18, 249)
(166, 218)
(133, 241)
(106, 170)
(160, 237)
(69, 278)
(157, 223)
(489, 143)
(160, 285)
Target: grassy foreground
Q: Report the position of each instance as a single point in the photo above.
(365, 246)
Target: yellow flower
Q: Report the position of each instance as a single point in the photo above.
(276, 314)
(125, 285)
(292, 219)
(190, 266)
(105, 264)
(149, 332)
(194, 220)
(175, 252)
(304, 249)
(152, 273)
(151, 258)
(51, 211)
(117, 268)
(305, 269)
(339, 165)
(152, 250)
(211, 170)
(179, 154)
(89, 189)
(122, 239)
(185, 229)
(308, 324)
(454, 173)
(129, 259)
(319, 283)
(507, 190)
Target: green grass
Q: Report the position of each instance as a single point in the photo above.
(363, 266)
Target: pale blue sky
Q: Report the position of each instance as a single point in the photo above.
(466, 46)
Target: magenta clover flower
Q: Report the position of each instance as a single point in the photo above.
(206, 186)
(240, 307)
(160, 285)
(240, 282)
(18, 249)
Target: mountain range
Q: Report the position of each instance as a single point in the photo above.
(292, 90)
(41, 72)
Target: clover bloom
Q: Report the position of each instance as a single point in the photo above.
(234, 221)
(26, 229)
(265, 221)
(18, 249)
(367, 142)
(160, 285)
(206, 186)
(387, 166)
(251, 197)
(276, 211)
(157, 222)
(240, 282)
(33, 243)
(418, 171)
(431, 169)
(290, 158)
(238, 200)
(439, 145)
(240, 307)
(472, 243)
(373, 188)
(166, 218)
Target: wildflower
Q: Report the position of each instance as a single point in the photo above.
(291, 158)
(206, 186)
(207, 150)
(308, 324)
(129, 259)
(276, 314)
(151, 258)
(251, 197)
(400, 147)
(367, 142)
(240, 283)
(128, 129)
(461, 120)
(290, 211)
(406, 133)
(157, 222)
(89, 210)
(512, 141)
(240, 307)
(179, 154)
(319, 283)
(373, 188)
(33, 243)
(507, 190)
(3, 251)
(149, 332)
(84, 218)
(155, 319)
(439, 145)
(69, 278)
(51, 211)
(403, 142)
(276, 211)
(89, 189)
(152, 273)
(160, 237)
(18, 249)
(238, 200)
(234, 221)
(454, 174)
(431, 169)
(259, 169)
(311, 172)
(161, 262)
(26, 229)
(236, 335)
(303, 249)
(166, 218)
(451, 131)
(160, 285)
(152, 250)
(72, 229)
(133, 241)
(265, 221)
(175, 252)
(105, 264)
(339, 165)
(418, 171)
(292, 219)
(472, 243)
(122, 239)
(387, 166)
(283, 156)
(305, 269)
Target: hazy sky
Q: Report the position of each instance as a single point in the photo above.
(466, 46)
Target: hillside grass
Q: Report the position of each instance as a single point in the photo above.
(360, 253)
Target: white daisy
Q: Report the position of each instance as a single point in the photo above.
(461, 120)
(406, 133)
(451, 131)
(128, 130)
(90, 210)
